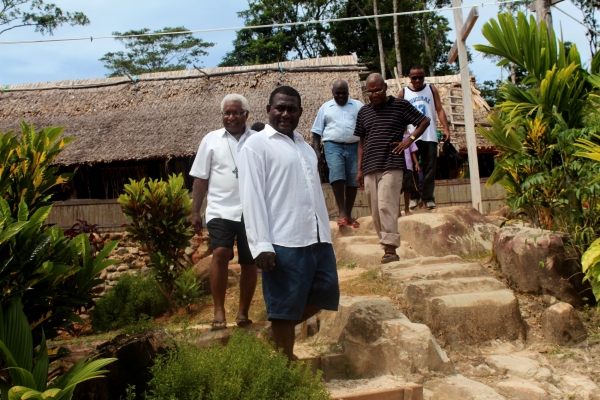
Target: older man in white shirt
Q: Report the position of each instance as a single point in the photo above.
(334, 125)
(286, 221)
(215, 170)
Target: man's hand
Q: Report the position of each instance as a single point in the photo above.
(446, 135)
(265, 261)
(401, 146)
(417, 168)
(197, 223)
(360, 179)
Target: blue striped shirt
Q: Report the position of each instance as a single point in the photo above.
(336, 123)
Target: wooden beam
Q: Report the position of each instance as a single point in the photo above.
(465, 80)
(533, 5)
(464, 33)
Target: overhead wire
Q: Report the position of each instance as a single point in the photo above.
(579, 22)
(239, 28)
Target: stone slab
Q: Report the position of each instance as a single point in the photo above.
(435, 271)
(522, 390)
(458, 387)
(514, 365)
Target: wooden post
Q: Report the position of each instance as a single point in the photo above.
(379, 40)
(542, 12)
(397, 42)
(465, 79)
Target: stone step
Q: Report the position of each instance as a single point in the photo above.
(474, 317)
(360, 240)
(369, 255)
(417, 293)
(433, 271)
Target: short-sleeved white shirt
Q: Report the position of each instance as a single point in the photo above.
(216, 161)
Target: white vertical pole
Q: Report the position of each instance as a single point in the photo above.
(465, 79)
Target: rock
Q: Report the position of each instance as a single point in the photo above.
(561, 325)
(145, 271)
(135, 354)
(462, 231)
(334, 366)
(138, 264)
(111, 268)
(496, 220)
(579, 387)
(133, 250)
(483, 370)
(520, 389)
(98, 289)
(122, 251)
(522, 367)
(202, 270)
(379, 340)
(123, 267)
(536, 262)
(116, 236)
(188, 251)
(103, 274)
(549, 300)
(543, 375)
(458, 387)
(113, 276)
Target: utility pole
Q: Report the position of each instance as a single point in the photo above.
(462, 32)
(542, 12)
(379, 40)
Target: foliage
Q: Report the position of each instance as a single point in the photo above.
(188, 290)
(490, 91)
(155, 53)
(247, 368)
(537, 125)
(45, 17)
(159, 213)
(590, 264)
(24, 372)
(52, 275)
(266, 45)
(132, 299)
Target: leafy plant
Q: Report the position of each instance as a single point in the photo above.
(24, 373)
(133, 299)
(247, 368)
(188, 290)
(159, 213)
(590, 264)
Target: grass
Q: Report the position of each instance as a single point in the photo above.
(370, 283)
(346, 265)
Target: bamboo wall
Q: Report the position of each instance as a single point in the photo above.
(108, 215)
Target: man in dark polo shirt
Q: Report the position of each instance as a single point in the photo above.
(380, 126)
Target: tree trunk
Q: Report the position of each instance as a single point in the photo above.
(397, 40)
(513, 73)
(542, 12)
(426, 39)
(379, 40)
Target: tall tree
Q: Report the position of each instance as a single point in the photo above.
(155, 53)
(379, 40)
(44, 17)
(397, 41)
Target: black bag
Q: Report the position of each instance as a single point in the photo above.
(450, 151)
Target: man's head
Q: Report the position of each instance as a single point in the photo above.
(376, 89)
(340, 92)
(417, 77)
(234, 109)
(284, 109)
(258, 126)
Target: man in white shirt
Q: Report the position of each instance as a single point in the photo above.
(287, 223)
(334, 124)
(216, 171)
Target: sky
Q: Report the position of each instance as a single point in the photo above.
(41, 62)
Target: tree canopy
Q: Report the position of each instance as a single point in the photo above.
(266, 45)
(155, 53)
(45, 17)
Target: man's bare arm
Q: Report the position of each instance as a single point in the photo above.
(198, 193)
(405, 144)
(316, 145)
(441, 113)
(360, 179)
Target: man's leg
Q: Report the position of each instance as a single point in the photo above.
(428, 152)
(338, 192)
(284, 331)
(406, 201)
(248, 280)
(351, 162)
(371, 183)
(388, 193)
(218, 280)
(350, 198)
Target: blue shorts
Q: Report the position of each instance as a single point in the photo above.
(342, 161)
(301, 276)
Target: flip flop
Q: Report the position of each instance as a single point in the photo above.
(243, 321)
(353, 223)
(218, 325)
(342, 221)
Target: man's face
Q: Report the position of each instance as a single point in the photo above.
(340, 94)
(284, 113)
(234, 117)
(417, 78)
(377, 92)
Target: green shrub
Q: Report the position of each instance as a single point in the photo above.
(133, 299)
(247, 368)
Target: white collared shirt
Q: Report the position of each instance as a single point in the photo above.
(281, 192)
(336, 123)
(216, 161)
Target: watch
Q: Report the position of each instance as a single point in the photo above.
(412, 138)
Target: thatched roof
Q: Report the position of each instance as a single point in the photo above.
(450, 94)
(164, 115)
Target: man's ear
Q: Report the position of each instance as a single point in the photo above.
(268, 108)
(301, 109)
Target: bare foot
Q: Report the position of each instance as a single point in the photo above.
(407, 213)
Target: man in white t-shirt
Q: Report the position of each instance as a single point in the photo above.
(426, 98)
(215, 170)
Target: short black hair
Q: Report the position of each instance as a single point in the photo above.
(258, 126)
(287, 90)
(416, 67)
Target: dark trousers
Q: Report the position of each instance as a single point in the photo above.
(428, 153)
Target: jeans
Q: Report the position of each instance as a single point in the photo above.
(428, 153)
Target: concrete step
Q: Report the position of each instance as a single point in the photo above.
(434, 271)
(360, 240)
(474, 317)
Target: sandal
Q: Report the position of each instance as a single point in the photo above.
(243, 321)
(218, 325)
(353, 223)
(342, 221)
(389, 257)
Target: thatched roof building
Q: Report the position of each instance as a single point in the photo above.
(164, 115)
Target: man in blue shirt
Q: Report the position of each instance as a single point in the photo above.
(334, 125)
